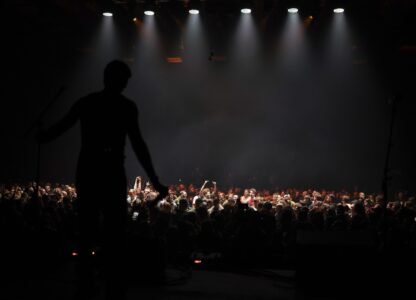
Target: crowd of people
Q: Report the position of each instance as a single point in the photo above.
(238, 223)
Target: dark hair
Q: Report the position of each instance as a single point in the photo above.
(115, 72)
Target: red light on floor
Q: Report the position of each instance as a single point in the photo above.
(197, 261)
(74, 254)
(174, 60)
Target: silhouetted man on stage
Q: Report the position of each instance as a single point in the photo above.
(106, 117)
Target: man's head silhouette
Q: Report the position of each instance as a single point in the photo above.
(116, 76)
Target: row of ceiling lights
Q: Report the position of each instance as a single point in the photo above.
(291, 10)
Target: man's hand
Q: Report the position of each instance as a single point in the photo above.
(163, 190)
(138, 178)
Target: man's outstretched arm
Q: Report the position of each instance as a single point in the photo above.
(61, 126)
(143, 155)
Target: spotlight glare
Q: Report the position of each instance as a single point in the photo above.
(107, 14)
(149, 13)
(292, 10)
(246, 11)
(338, 10)
(134, 19)
(194, 11)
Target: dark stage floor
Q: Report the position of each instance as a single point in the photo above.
(58, 282)
(201, 284)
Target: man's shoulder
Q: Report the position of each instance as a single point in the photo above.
(91, 96)
(128, 102)
(93, 100)
(129, 105)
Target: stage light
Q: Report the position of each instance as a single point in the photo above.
(134, 19)
(74, 254)
(292, 10)
(150, 7)
(194, 7)
(197, 261)
(338, 10)
(107, 14)
(246, 6)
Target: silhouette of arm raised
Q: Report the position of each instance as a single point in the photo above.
(61, 126)
(138, 184)
(142, 152)
(201, 190)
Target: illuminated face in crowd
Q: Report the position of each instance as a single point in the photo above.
(191, 189)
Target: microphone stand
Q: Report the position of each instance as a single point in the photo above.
(38, 126)
(386, 174)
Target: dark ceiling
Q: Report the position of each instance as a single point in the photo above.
(385, 27)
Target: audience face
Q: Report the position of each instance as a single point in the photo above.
(47, 189)
(132, 193)
(246, 193)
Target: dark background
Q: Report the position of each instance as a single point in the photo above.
(259, 118)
